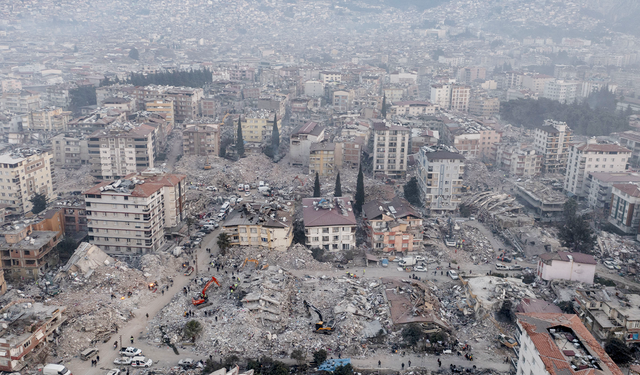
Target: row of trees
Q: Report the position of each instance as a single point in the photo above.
(188, 78)
(596, 115)
(337, 192)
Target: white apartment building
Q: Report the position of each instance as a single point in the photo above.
(70, 151)
(313, 89)
(451, 96)
(24, 173)
(301, 140)
(544, 340)
(328, 77)
(600, 185)
(128, 216)
(562, 91)
(585, 158)
(517, 161)
(48, 119)
(412, 108)
(390, 149)
(440, 178)
(552, 142)
(342, 100)
(441, 95)
(329, 223)
(121, 150)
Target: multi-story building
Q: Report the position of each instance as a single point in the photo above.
(625, 208)
(601, 186)
(329, 77)
(313, 88)
(26, 252)
(588, 157)
(609, 313)
(128, 216)
(518, 161)
(562, 91)
(25, 173)
(329, 223)
(301, 140)
(394, 94)
(322, 158)
(631, 140)
(209, 107)
(460, 96)
(475, 140)
(351, 150)
(257, 126)
(70, 151)
(441, 95)
(342, 100)
(544, 340)
(552, 142)
(164, 107)
(48, 119)
(20, 102)
(393, 226)
(440, 178)
(186, 102)
(470, 74)
(121, 150)
(567, 266)
(201, 139)
(536, 82)
(484, 107)
(261, 225)
(26, 329)
(412, 108)
(390, 149)
(58, 95)
(75, 215)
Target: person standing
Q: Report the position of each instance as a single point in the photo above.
(403, 365)
(409, 363)
(379, 363)
(132, 339)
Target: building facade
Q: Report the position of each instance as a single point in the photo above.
(601, 186)
(70, 151)
(567, 266)
(301, 140)
(625, 208)
(25, 173)
(47, 120)
(552, 142)
(517, 161)
(201, 140)
(329, 223)
(390, 150)
(272, 228)
(393, 226)
(26, 252)
(440, 178)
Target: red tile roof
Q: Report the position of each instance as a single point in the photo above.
(323, 217)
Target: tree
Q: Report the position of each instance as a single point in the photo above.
(316, 186)
(275, 138)
(134, 54)
(82, 96)
(337, 192)
(66, 247)
(619, 352)
(575, 232)
(39, 202)
(224, 242)
(192, 330)
(412, 334)
(320, 356)
(357, 207)
(298, 355)
(344, 370)
(383, 112)
(240, 140)
(412, 192)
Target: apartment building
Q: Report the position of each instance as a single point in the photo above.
(75, 216)
(609, 313)
(440, 178)
(121, 150)
(562, 91)
(186, 102)
(261, 225)
(342, 100)
(323, 157)
(544, 339)
(484, 107)
(600, 187)
(563, 265)
(58, 95)
(313, 89)
(70, 151)
(46, 120)
(242, 74)
(330, 77)
(20, 102)
(25, 172)
(588, 157)
(126, 104)
(390, 149)
(128, 216)
(625, 208)
(518, 161)
(470, 74)
(301, 140)
(164, 107)
(27, 252)
(394, 94)
(329, 223)
(441, 95)
(351, 151)
(257, 126)
(26, 329)
(475, 140)
(201, 140)
(274, 103)
(210, 107)
(412, 108)
(460, 97)
(392, 226)
(552, 142)
(536, 82)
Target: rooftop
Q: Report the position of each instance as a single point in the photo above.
(564, 256)
(321, 212)
(615, 176)
(20, 318)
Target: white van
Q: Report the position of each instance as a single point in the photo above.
(224, 207)
(53, 369)
(500, 266)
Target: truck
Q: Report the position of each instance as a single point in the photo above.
(407, 262)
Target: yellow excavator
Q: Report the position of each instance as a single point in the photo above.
(320, 326)
(207, 164)
(247, 260)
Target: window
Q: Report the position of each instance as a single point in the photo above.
(335, 230)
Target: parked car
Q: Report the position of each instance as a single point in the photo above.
(186, 363)
(130, 351)
(501, 267)
(420, 269)
(141, 362)
(452, 274)
(122, 361)
(419, 258)
(610, 265)
(113, 371)
(515, 267)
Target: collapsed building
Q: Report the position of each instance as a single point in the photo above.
(268, 225)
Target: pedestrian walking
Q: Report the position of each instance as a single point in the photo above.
(163, 292)
(379, 363)
(439, 363)
(97, 359)
(409, 363)
(441, 273)
(147, 315)
(403, 365)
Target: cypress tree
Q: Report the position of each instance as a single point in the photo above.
(240, 140)
(338, 190)
(275, 138)
(357, 207)
(316, 187)
(384, 107)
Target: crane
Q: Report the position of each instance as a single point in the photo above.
(299, 179)
(320, 327)
(203, 297)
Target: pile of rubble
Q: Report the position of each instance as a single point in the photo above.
(74, 179)
(614, 246)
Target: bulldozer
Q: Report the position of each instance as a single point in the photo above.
(320, 326)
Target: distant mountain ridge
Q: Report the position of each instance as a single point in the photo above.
(623, 14)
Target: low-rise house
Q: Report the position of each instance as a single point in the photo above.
(329, 223)
(567, 266)
(392, 226)
(268, 225)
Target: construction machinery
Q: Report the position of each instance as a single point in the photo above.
(299, 179)
(320, 326)
(207, 164)
(201, 300)
(247, 260)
